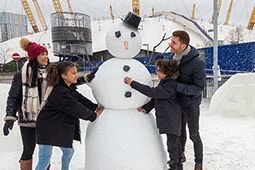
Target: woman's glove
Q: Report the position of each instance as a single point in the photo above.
(8, 125)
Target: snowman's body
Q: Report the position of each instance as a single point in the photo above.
(123, 138)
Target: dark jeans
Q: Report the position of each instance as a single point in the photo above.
(28, 139)
(190, 116)
(174, 150)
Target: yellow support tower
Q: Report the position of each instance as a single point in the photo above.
(193, 12)
(136, 6)
(70, 9)
(112, 17)
(152, 11)
(57, 6)
(30, 16)
(252, 20)
(39, 13)
(229, 12)
(218, 8)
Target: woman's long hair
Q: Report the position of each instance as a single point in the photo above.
(34, 66)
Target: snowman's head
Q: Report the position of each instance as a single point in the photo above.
(123, 41)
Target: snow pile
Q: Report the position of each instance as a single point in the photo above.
(229, 142)
(236, 97)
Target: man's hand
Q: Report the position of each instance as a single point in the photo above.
(8, 125)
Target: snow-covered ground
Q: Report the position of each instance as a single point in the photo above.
(228, 141)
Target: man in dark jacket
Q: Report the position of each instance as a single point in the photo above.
(189, 89)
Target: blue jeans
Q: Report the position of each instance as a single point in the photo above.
(45, 152)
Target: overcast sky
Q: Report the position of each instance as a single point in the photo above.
(100, 9)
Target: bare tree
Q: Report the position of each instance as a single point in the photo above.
(154, 48)
(3, 53)
(235, 35)
(208, 44)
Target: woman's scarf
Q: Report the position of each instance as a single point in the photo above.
(30, 95)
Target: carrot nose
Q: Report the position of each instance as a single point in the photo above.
(126, 45)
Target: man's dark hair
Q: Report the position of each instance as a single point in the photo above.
(183, 36)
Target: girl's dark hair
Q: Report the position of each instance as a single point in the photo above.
(167, 67)
(54, 72)
(34, 65)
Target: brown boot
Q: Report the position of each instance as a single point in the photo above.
(48, 167)
(26, 164)
(198, 166)
(183, 157)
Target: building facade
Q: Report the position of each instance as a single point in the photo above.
(12, 25)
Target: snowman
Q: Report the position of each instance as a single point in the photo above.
(123, 138)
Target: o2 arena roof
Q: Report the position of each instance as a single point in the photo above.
(152, 29)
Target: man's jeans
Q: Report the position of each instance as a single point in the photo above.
(45, 152)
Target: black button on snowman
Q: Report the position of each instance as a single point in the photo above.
(123, 138)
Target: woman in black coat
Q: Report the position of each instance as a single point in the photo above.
(58, 122)
(168, 110)
(28, 90)
(27, 95)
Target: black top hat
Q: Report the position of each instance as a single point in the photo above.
(132, 19)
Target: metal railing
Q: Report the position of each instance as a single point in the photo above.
(207, 92)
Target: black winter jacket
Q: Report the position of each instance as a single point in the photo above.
(168, 110)
(191, 80)
(58, 122)
(14, 99)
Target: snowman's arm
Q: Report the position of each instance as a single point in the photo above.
(87, 77)
(149, 106)
(80, 80)
(159, 92)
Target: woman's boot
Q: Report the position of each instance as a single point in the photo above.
(26, 164)
(198, 166)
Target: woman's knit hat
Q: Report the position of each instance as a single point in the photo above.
(33, 49)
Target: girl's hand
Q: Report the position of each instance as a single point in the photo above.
(141, 110)
(99, 110)
(128, 80)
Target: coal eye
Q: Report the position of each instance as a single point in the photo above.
(132, 34)
(117, 34)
